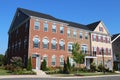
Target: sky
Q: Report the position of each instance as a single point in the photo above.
(80, 11)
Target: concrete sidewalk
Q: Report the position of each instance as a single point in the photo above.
(49, 76)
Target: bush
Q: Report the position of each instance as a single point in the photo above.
(29, 65)
(65, 69)
(93, 67)
(16, 64)
(43, 65)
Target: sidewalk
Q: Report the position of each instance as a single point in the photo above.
(49, 76)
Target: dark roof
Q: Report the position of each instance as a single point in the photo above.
(114, 36)
(46, 16)
(92, 26)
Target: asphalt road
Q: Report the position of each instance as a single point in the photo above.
(94, 78)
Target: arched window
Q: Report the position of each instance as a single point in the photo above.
(54, 44)
(45, 43)
(61, 61)
(36, 42)
(53, 60)
(62, 45)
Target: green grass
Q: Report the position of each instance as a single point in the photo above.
(83, 74)
(4, 72)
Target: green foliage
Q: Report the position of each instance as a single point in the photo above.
(1, 59)
(93, 67)
(16, 64)
(43, 65)
(77, 56)
(29, 65)
(65, 69)
(68, 64)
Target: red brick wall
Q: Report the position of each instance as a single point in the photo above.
(41, 34)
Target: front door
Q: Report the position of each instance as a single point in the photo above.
(37, 62)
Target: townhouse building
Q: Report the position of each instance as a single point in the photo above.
(116, 50)
(41, 36)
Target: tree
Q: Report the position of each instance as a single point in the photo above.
(1, 59)
(43, 65)
(65, 69)
(68, 64)
(77, 55)
(29, 65)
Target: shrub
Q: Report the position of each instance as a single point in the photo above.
(93, 67)
(43, 65)
(29, 65)
(65, 69)
(68, 64)
(16, 63)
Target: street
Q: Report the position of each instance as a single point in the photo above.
(88, 78)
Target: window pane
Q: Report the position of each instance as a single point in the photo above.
(36, 25)
(54, 28)
(45, 43)
(70, 47)
(81, 35)
(61, 61)
(53, 60)
(62, 45)
(45, 27)
(36, 42)
(68, 32)
(54, 44)
(75, 34)
(62, 29)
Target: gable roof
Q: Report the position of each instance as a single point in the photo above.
(92, 26)
(46, 16)
(115, 36)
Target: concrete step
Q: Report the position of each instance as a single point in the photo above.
(41, 73)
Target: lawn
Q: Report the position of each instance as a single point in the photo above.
(4, 72)
(83, 74)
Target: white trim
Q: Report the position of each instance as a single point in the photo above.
(90, 57)
(49, 20)
(115, 38)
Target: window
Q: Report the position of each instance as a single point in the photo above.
(70, 47)
(54, 44)
(100, 29)
(99, 38)
(74, 34)
(94, 37)
(54, 28)
(109, 51)
(86, 36)
(84, 49)
(46, 59)
(36, 25)
(104, 51)
(108, 40)
(45, 43)
(104, 39)
(61, 61)
(62, 45)
(36, 42)
(80, 35)
(53, 60)
(61, 29)
(25, 43)
(45, 27)
(94, 51)
(19, 45)
(68, 32)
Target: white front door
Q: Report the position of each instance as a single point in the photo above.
(37, 62)
(88, 63)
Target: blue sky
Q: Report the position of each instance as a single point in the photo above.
(80, 11)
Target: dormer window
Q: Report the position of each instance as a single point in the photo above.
(101, 29)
